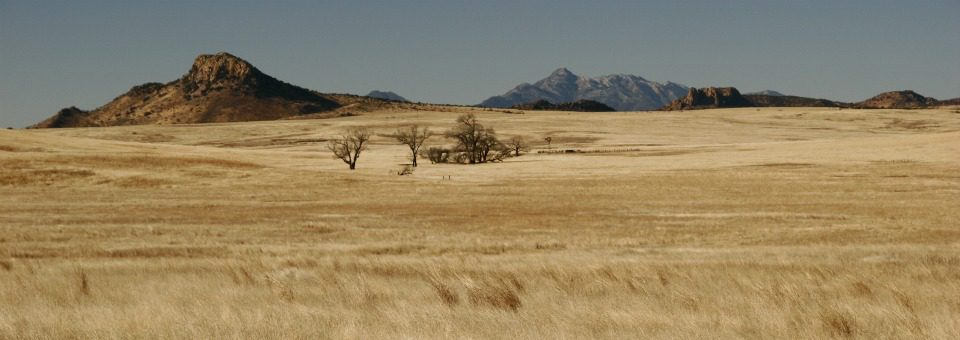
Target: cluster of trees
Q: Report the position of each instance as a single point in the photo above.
(475, 143)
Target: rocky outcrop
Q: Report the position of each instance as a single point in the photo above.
(578, 106)
(218, 88)
(621, 92)
(898, 100)
(709, 98)
(386, 95)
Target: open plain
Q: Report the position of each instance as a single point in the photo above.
(729, 223)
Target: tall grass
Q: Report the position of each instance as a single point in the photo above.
(768, 239)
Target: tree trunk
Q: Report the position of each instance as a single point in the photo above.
(414, 159)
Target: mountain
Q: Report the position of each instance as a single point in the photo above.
(897, 100)
(218, 88)
(771, 93)
(950, 102)
(761, 100)
(621, 92)
(709, 98)
(386, 95)
(582, 105)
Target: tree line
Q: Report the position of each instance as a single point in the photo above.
(475, 143)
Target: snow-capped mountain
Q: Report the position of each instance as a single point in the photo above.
(620, 91)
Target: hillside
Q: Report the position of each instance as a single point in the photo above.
(621, 92)
(218, 88)
(897, 100)
(950, 102)
(579, 106)
(388, 95)
(760, 100)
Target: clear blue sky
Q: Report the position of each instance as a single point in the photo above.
(55, 54)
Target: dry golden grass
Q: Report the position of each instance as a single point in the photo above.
(771, 223)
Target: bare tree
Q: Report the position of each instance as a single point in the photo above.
(475, 142)
(517, 144)
(487, 143)
(413, 136)
(348, 146)
(468, 132)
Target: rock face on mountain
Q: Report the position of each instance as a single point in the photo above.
(218, 88)
(709, 98)
(386, 95)
(579, 106)
(897, 100)
(760, 100)
(621, 92)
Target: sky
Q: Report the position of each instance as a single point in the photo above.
(55, 54)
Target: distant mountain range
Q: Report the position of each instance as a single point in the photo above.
(634, 93)
(386, 95)
(619, 91)
(724, 97)
(224, 88)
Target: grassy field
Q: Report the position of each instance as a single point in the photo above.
(741, 223)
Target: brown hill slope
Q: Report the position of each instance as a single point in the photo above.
(897, 100)
(760, 100)
(218, 88)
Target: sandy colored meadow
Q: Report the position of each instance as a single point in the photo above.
(735, 223)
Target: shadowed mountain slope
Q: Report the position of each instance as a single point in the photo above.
(579, 106)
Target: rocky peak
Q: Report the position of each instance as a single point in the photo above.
(218, 88)
(562, 75)
(212, 68)
(562, 72)
(709, 97)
